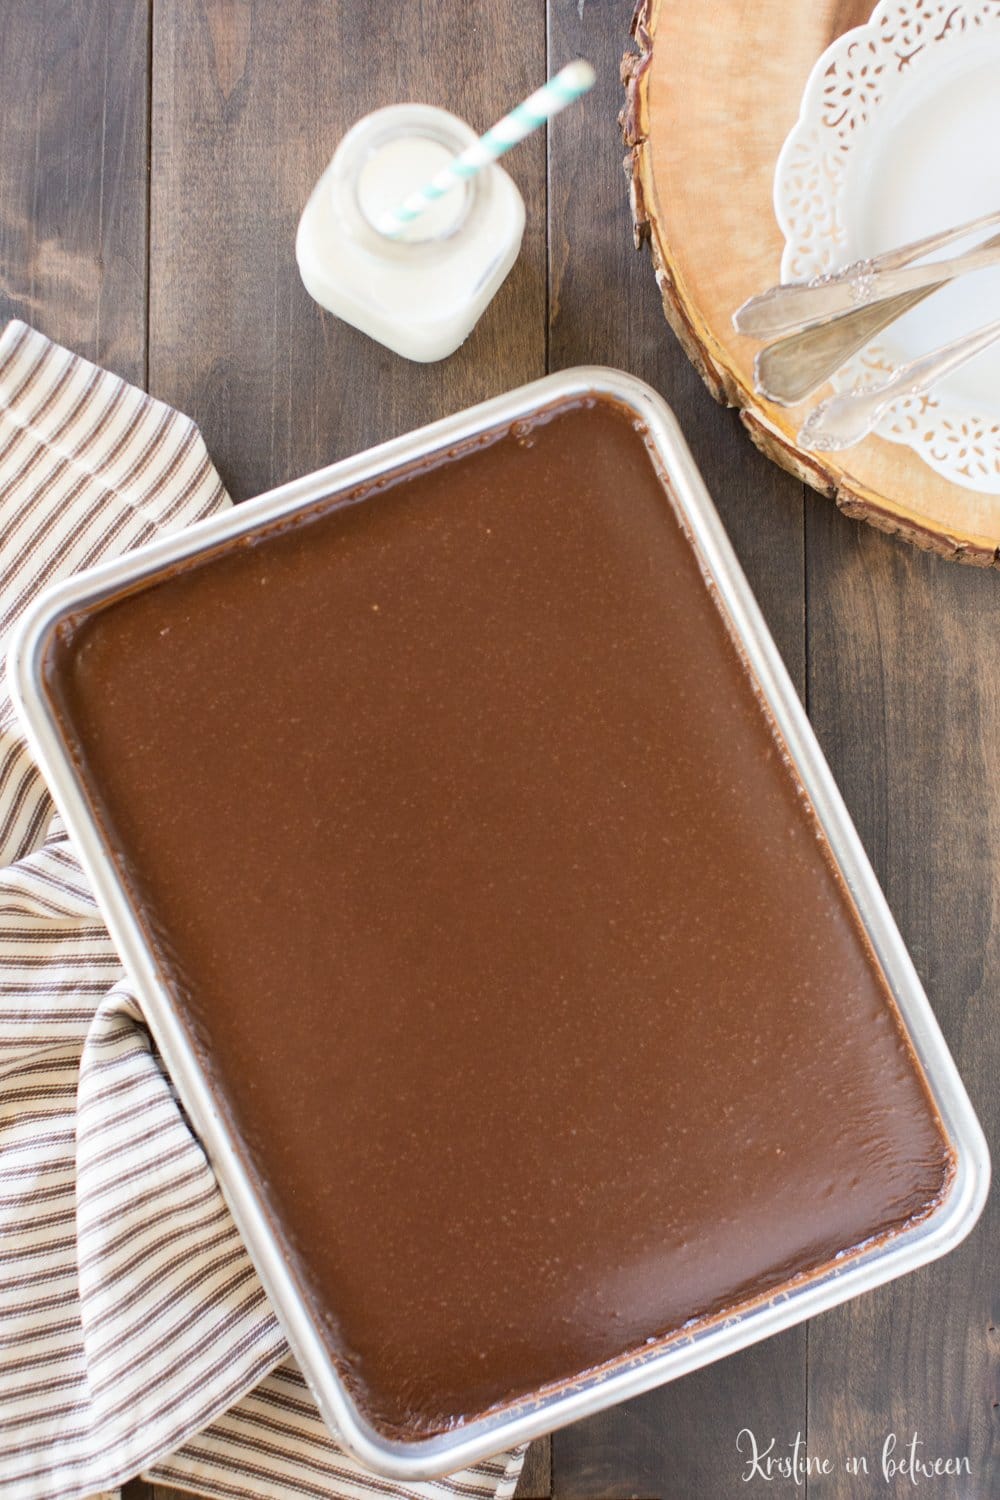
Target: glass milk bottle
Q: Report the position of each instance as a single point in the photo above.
(421, 292)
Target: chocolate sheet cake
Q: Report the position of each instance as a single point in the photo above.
(485, 887)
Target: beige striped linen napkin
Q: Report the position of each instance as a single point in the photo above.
(134, 1334)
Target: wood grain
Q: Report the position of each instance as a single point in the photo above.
(913, 739)
(677, 1443)
(73, 153)
(249, 100)
(701, 186)
(535, 1482)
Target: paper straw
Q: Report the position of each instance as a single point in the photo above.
(567, 85)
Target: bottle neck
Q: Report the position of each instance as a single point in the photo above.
(392, 171)
(389, 155)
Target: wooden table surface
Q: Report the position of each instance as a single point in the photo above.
(154, 159)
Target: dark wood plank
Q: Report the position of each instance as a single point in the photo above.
(73, 157)
(536, 1476)
(903, 694)
(249, 100)
(678, 1443)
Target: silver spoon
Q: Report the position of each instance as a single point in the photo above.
(792, 368)
(848, 417)
(796, 304)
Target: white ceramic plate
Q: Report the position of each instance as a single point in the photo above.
(898, 137)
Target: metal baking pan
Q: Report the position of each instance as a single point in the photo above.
(428, 1457)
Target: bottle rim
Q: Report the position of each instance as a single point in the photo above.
(371, 135)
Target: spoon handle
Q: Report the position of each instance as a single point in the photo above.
(792, 368)
(849, 416)
(798, 304)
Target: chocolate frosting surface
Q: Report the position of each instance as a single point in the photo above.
(488, 895)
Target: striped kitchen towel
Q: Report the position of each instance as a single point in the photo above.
(134, 1334)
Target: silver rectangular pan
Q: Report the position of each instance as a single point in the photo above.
(528, 1418)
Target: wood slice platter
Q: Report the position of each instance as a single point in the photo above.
(712, 90)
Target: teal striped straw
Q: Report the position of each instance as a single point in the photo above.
(567, 85)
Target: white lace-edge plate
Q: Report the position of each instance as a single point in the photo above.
(898, 137)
